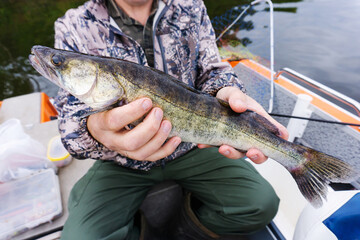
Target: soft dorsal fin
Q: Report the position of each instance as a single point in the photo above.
(265, 123)
(223, 103)
(184, 85)
(257, 117)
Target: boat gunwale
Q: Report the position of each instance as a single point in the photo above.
(328, 107)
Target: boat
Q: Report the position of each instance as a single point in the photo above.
(315, 115)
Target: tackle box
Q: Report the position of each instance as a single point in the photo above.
(28, 202)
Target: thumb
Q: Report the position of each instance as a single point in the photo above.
(235, 97)
(238, 104)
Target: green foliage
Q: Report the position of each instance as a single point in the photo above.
(25, 23)
(217, 8)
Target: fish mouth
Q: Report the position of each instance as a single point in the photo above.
(40, 60)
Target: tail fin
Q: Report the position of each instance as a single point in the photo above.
(319, 169)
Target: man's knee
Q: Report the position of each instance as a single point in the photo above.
(243, 218)
(261, 212)
(262, 209)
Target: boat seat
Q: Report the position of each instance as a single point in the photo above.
(160, 209)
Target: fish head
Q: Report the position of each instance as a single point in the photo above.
(88, 78)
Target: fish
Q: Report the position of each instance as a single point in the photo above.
(196, 117)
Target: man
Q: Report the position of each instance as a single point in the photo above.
(175, 37)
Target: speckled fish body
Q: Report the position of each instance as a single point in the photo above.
(195, 116)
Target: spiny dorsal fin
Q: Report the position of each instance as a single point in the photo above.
(177, 81)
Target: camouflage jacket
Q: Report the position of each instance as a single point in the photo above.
(184, 47)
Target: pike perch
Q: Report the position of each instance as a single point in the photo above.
(196, 117)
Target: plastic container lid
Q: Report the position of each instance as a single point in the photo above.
(56, 151)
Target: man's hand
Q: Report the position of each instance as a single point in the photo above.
(240, 102)
(145, 141)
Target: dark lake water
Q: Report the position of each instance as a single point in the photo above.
(318, 38)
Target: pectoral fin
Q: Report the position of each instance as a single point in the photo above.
(117, 104)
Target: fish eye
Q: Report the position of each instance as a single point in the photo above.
(56, 60)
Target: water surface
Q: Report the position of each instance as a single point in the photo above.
(318, 38)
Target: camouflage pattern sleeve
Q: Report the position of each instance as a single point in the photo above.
(213, 74)
(73, 129)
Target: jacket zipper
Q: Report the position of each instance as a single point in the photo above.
(158, 37)
(116, 30)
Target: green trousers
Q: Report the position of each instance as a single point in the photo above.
(235, 197)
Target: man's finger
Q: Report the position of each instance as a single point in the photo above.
(167, 149)
(238, 104)
(230, 152)
(155, 143)
(201, 146)
(256, 156)
(235, 97)
(118, 118)
(144, 132)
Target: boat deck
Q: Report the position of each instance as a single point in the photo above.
(337, 140)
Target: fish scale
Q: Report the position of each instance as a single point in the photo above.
(196, 117)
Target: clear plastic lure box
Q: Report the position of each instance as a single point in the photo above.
(28, 202)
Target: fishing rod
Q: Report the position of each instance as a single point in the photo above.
(314, 119)
(271, 7)
(272, 65)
